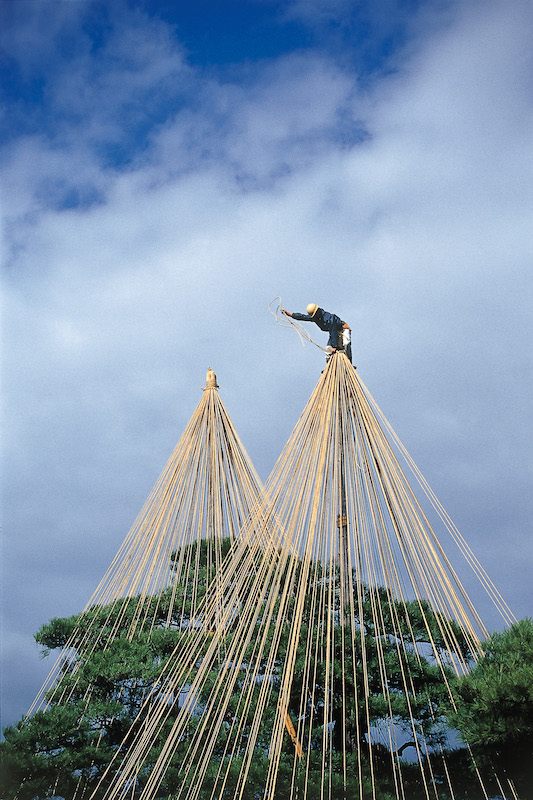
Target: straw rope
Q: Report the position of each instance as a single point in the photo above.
(204, 494)
(338, 568)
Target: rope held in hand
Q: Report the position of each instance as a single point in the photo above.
(287, 322)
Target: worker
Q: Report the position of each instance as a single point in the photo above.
(331, 323)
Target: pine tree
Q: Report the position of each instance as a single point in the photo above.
(106, 692)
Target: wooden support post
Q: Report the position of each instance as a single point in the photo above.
(291, 731)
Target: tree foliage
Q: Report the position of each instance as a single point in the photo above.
(77, 741)
(99, 693)
(494, 705)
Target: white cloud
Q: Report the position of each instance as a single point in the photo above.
(31, 31)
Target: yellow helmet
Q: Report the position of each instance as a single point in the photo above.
(312, 308)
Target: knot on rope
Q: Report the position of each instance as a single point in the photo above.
(210, 381)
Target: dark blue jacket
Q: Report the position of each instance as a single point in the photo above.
(326, 322)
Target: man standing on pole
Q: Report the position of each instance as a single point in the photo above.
(331, 323)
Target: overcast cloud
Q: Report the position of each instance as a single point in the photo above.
(152, 210)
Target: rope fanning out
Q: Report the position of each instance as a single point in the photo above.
(319, 622)
(349, 553)
(206, 491)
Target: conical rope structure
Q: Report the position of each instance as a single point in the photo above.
(323, 668)
(173, 553)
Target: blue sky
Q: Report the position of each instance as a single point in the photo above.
(169, 168)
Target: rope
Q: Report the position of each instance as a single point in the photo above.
(338, 576)
(288, 322)
(333, 578)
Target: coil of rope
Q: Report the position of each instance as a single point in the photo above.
(288, 322)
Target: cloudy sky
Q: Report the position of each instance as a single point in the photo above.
(168, 168)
